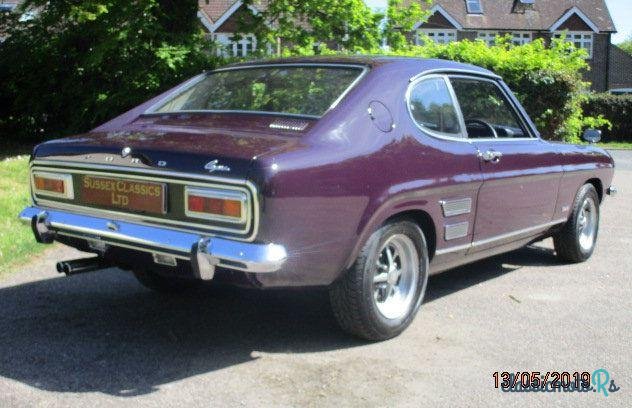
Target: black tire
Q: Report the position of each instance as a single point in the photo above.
(163, 284)
(353, 296)
(568, 241)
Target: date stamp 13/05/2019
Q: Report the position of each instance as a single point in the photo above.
(597, 381)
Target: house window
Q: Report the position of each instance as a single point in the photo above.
(521, 38)
(488, 37)
(579, 39)
(517, 38)
(230, 46)
(474, 7)
(438, 36)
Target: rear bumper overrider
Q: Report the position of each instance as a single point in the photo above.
(204, 252)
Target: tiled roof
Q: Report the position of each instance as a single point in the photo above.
(498, 14)
(214, 9)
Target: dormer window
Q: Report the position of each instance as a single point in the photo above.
(474, 7)
(520, 6)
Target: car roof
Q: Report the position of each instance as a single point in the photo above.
(375, 61)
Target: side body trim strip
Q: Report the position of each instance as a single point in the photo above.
(501, 237)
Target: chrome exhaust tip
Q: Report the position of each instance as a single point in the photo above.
(79, 266)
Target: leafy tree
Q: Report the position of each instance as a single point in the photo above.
(80, 62)
(304, 23)
(401, 19)
(626, 45)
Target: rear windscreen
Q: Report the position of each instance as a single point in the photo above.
(300, 90)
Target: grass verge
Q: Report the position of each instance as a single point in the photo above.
(16, 240)
(616, 145)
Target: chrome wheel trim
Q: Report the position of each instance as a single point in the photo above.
(396, 276)
(587, 224)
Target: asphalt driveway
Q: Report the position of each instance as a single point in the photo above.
(100, 339)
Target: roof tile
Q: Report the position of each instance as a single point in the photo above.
(498, 14)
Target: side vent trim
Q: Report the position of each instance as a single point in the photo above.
(456, 207)
(455, 231)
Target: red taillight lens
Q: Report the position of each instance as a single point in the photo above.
(49, 184)
(215, 206)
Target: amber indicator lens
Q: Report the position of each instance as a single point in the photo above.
(50, 184)
(214, 206)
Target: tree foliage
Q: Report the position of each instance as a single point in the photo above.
(80, 62)
(302, 24)
(626, 45)
(401, 19)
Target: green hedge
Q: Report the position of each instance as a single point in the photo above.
(618, 110)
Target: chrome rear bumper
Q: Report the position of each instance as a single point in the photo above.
(205, 253)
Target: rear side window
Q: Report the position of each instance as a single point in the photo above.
(432, 107)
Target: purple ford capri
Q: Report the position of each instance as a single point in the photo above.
(361, 174)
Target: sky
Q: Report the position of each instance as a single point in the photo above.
(621, 11)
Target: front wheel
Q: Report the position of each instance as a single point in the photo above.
(576, 241)
(379, 296)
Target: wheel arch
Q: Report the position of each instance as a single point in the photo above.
(597, 183)
(419, 216)
(424, 221)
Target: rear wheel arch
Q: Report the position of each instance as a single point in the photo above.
(419, 216)
(424, 221)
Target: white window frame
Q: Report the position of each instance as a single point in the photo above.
(229, 47)
(586, 39)
(487, 36)
(469, 10)
(517, 37)
(438, 35)
(521, 37)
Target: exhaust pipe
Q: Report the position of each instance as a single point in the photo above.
(78, 266)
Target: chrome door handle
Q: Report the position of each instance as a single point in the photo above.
(490, 156)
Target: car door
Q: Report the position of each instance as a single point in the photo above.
(521, 172)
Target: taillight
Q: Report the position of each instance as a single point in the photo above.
(53, 185)
(215, 204)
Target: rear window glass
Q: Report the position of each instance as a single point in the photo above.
(300, 90)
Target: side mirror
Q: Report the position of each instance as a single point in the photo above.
(592, 135)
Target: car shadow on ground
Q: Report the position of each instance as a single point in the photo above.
(102, 332)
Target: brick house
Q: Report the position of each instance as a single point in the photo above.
(586, 23)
